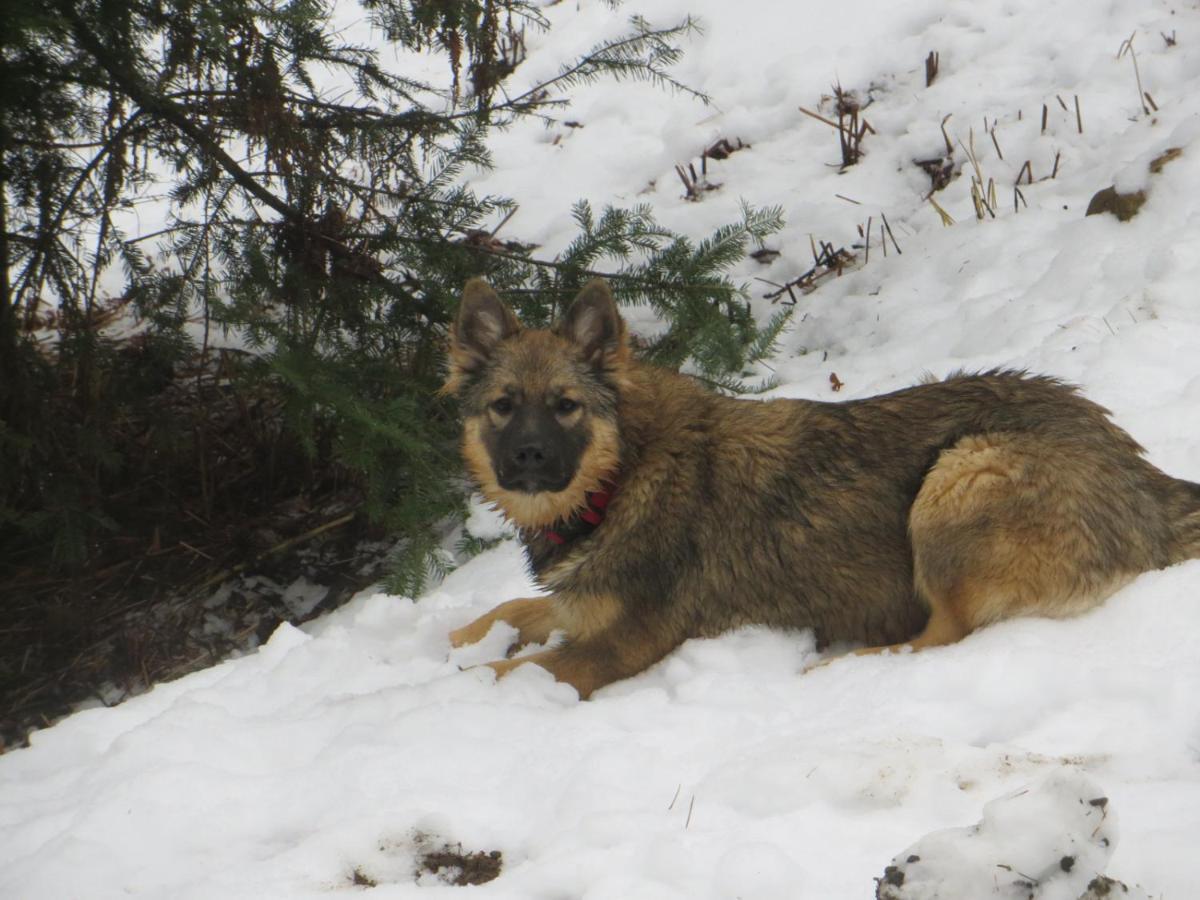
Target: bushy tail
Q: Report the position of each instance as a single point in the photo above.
(1187, 523)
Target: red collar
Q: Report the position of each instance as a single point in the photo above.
(588, 519)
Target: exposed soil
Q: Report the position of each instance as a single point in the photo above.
(453, 865)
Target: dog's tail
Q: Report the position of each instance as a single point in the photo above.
(1186, 543)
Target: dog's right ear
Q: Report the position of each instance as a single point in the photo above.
(595, 327)
(483, 322)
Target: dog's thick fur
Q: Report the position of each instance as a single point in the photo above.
(911, 518)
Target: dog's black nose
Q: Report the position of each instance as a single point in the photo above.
(529, 457)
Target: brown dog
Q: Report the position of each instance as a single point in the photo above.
(656, 511)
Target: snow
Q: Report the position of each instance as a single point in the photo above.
(342, 751)
(1052, 839)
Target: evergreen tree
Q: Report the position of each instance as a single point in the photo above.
(316, 209)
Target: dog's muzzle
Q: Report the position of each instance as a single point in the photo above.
(532, 469)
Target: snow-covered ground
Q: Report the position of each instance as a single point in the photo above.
(334, 757)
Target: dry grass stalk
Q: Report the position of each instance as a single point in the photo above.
(850, 132)
(694, 186)
(931, 67)
(888, 227)
(1127, 48)
(850, 128)
(983, 196)
(995, 142)
(947, 219)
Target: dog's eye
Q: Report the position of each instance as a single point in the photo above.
(502, 406)
(566, 405)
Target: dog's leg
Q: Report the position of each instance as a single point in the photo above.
(943, 628)
(585, 670)
(972, 555)
(999, 529)
(534, 618)
(587, 665)
(598, 655)
(1002, 528)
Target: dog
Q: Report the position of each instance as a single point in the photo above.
(654, 510)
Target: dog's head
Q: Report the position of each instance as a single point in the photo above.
(539, 405)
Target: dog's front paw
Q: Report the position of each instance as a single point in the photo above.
(471, 633)
(533, 618)
(502, 667)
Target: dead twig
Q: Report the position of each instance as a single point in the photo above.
(512, 212)
(828, 261)
(820, 118)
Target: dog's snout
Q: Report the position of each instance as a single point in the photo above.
(533, 454)
(529, 457)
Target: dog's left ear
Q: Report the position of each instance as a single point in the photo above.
(595, 326)
(483, 322)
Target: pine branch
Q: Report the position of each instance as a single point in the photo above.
(643, 56)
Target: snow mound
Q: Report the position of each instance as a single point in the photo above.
(1049, 842)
